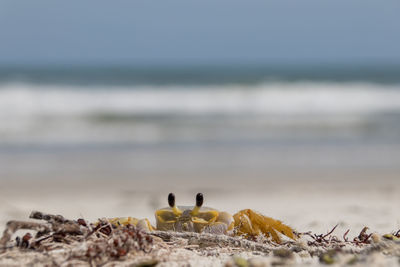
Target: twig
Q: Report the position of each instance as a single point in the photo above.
(345, 236)
(322, 238)
(330, 232)
(38, 215)
(397, 234)
(37, 241)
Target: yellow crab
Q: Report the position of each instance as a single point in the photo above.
(208, 220)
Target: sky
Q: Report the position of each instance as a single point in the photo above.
(198, 32)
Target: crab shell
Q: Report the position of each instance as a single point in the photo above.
(189, 219)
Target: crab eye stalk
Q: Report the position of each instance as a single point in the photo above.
(199, 199)
(171, 200)
(171, 203)
(199, 203)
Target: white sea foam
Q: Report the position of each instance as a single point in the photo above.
(48, 112)
(270, 98)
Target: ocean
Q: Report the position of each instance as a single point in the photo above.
(247, 119)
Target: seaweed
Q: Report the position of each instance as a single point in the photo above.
(102, 242)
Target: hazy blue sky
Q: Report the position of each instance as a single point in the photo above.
(205, 31)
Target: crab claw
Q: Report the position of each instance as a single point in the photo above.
(223, 225)
(249, 222)
(144, 224)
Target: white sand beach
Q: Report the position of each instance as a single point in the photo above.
(306, 205)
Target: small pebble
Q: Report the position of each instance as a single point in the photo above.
(376, 238)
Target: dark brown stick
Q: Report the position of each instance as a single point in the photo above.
(38, 215)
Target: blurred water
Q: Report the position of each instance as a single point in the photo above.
(57, 114)
(229, 120)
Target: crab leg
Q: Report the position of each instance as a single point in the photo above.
(249, 222)
(143, 224)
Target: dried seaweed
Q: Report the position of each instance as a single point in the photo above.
(93, 243)
(102, 242)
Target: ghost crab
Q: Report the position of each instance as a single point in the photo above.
(208, 220)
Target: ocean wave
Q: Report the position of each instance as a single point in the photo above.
(29, 111)
(264, 99)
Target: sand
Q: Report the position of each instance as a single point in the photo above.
(315, 205)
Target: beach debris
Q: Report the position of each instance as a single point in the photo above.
(395, 236)
(363, 237)
(203, 231)
(328, 238)
(24, 242)
(118, 243)
(391, 237)
(345, 235)
(98, 243)
(283, 253)
(147, 263)
(353, 260)
(207, 240)
(240, 262)
(78, 242)
(328, 257)
(280, 257)
(376, 238)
